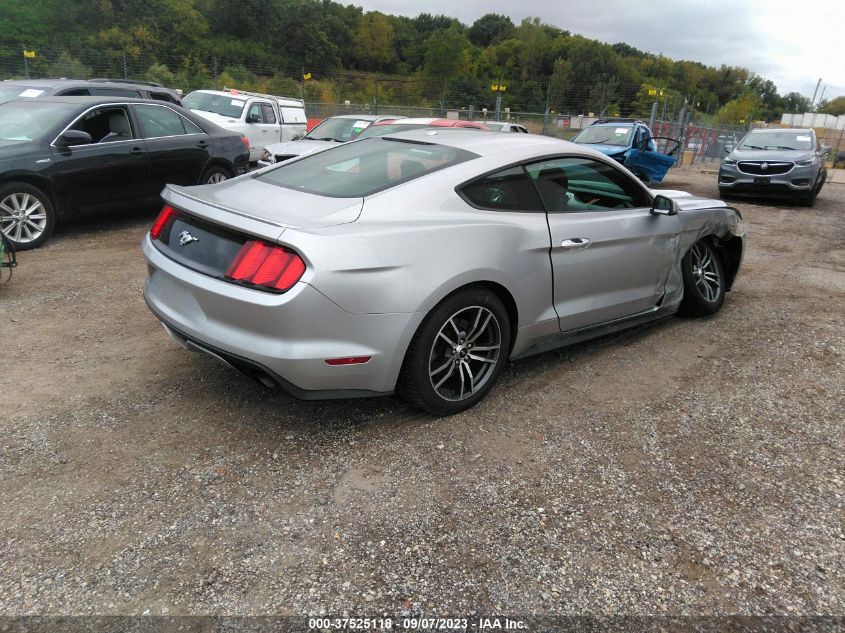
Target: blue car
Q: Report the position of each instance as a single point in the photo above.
(630, 142)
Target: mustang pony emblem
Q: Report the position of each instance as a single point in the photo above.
(186, 238)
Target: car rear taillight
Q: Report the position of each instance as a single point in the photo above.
(245, 141)
(262, 264)
(167, 215)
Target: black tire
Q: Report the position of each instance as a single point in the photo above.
(428, 379)
(214, 175)
(704, 281)
(724, 194)
(27, 216)
(809, 199)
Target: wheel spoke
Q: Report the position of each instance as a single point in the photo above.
(6, 208)
(446, 338)
(481, 358)
(441, 368)
(446, 377)
(16, 204)
(470, 374)
(485, 348)
(478, 332)
(18, 229)
(461, 373)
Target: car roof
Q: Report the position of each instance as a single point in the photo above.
(90, 101)
(363, 117)
(485, 144)
(94, 83)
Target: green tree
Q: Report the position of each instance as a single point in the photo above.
(447, 53)
(834, 106)
(489, 29)
(741, 110)
(373, 42)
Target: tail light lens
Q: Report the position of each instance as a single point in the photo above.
(167, 215)
(245, 141)
(262, 264)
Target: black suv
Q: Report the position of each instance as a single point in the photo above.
(32, 88)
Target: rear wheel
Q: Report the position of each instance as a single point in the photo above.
(214, 175)
(704, 281)
(26, 215)
(457, 353)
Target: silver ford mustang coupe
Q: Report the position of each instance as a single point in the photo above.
(421, 262)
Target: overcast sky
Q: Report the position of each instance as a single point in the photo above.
(793, 43)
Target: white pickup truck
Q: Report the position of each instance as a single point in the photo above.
(263, 119)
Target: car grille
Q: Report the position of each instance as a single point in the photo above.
(772, 168)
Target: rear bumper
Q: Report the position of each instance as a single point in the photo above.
(285, 339)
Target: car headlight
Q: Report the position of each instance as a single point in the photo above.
(730, 161)
(267, 156)
(805, 163)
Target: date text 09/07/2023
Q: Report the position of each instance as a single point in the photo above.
(417, 624)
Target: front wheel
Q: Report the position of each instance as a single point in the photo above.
(704, 281)
(457, 353)
(26, 215)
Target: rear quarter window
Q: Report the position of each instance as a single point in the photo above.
(363, 168)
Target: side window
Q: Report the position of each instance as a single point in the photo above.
(292, 115)
(508, 190)
(255, 114)
(582, 184)
(116, 92)
(75, 92)
(105, 125)
(157, 121)
(162, 96)
(269, 115)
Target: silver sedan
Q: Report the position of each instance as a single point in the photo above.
(421, 262)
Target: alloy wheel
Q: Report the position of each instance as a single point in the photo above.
(217, 177)
(464, 353)
(705, 272)
(22, 217)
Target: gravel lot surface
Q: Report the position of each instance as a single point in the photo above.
(689, 467)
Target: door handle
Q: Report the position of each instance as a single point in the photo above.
(575, 242)
(136, 151)
(203, 144)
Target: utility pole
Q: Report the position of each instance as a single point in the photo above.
(821, 96)
(653, 116)
(498, 88)
(546, 113)
(25, 65)
(815, 92)
(601, 105)
(125, 70)
(302, 85)
(443, 99)
(375, 95)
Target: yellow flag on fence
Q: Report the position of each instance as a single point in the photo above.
(29, 54)
(306, 76)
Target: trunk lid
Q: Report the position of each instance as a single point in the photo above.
(268, 204)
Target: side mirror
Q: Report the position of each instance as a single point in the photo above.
(727, 149)
(825, 151)
(664, 206)
(73, 137)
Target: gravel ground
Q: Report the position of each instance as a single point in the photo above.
(692, 467)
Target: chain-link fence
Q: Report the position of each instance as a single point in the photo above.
(557, 109)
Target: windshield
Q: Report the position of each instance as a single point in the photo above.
(16, 91)
(337, 129)
(778, 139)
(363, 168)
(224, 105)
(494, 126)
(29, 120)
(605, 135)
(393, 128)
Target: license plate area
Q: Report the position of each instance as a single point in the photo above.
(762, 180)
